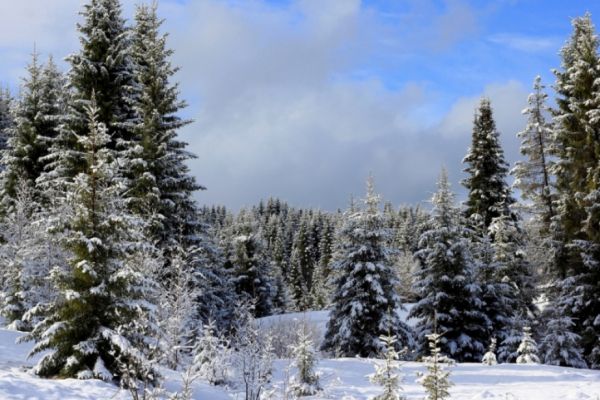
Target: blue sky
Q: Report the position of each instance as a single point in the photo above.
(301, 99)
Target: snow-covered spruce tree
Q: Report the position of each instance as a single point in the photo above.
(445, 284)
(18, 257)
(387, 373)
(306, 383)
(513, 334)
(497, 294)
(576, 290)
(527, 349)
(248, 264)
(6, 119)
(102, 68)
(211, 356)
(489, 358)
(320, 292)
(489, 195)
(93, 328)
(161, 183)
(514, 268)
(436, 380)
(36, 119)
(364, 286)
(301, 266)
(559, 345)
(533, 176)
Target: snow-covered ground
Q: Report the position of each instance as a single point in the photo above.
(342, 379)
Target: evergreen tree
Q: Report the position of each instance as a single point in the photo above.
(6, 120)
(437, 380)
(306, 383)
(489, 358)
(102, 68)
(576, 233)
(18, 257)
(489, 195)
(248, 264)
(301, 266)
(36, 119)
(560, 345)
(211, 356)
(533, 176)
(448, 293)
(386, 374)
(364, 286)
(161, 184)
(528, 349)
(101, 320)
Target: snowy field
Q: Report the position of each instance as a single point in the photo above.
(344, 379)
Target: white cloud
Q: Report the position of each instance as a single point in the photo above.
(527, 44)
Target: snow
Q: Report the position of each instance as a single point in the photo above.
(343, 379)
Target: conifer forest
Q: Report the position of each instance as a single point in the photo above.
(117, 280)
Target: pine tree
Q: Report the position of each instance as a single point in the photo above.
(306, 383)
(533, 176)
(527, 349)
(560, 345)
(387, 373)
(489, 195)
(364, 286)
(101, 320)
(489, 358)
(437, 380)
(161, 184)
(448, 293)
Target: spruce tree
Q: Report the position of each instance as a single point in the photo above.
(99, 323)
(527, 349)
(533, 176)
(363, 286)
(102, 67)
(306, 383)
(387, 373)
(560, 346)
(489, 358)
(6, 120)
(437, 379)
(249, 268)
(576, 233)
(489, 195)
(445, 284)
(161, 185)
(36, 121)
(301, 266)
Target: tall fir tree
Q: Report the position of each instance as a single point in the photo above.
(98, 323)
(576, 292)
(36, 121)
(103, 67)
(161, 184)
(533, 176)
(445, 284)
(6, 119)
(489, 195)
(364, 304)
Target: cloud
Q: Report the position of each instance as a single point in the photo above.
(526, 43)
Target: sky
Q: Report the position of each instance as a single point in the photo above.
(303, 99)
